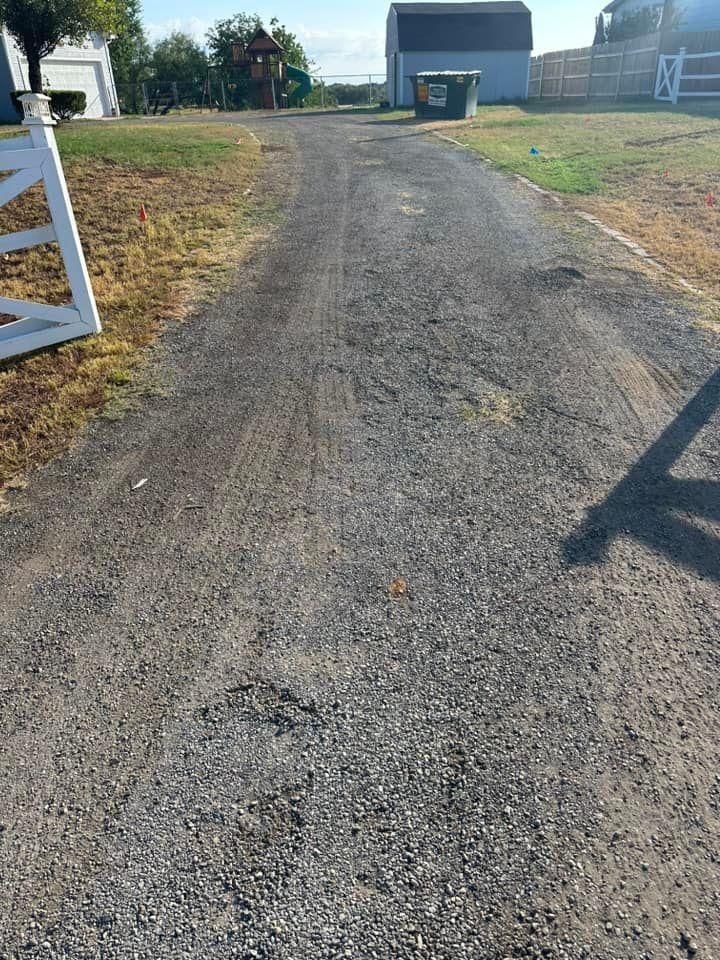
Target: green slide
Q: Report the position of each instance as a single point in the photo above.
(299, 93)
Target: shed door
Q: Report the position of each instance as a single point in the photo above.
(79, 75)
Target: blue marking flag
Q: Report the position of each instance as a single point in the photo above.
(534, 152)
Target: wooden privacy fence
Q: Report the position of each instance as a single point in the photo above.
(623, 69)
(628, 68)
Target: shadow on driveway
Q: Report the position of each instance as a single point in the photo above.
(654, 507)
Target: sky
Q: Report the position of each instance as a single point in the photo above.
(345, 38)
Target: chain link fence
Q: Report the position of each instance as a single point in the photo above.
(220, 92)
(351, 90)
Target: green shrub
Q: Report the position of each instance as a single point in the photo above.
(64, 104)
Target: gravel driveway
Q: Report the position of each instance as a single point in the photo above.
(408, 647)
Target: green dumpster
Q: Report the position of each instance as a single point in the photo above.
(446, 94)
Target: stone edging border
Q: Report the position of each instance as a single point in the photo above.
(627, 242)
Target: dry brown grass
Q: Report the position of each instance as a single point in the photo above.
(143, 276)
(668, 216)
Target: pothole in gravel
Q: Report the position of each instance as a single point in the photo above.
(559, 278)
(263, 702)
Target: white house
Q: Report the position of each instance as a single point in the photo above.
(697, 15)
(495, 38)
(86, 67)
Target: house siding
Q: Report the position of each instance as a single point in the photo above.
(701, 15)
(392, 55)
(8, 113)
(504, 73)
(696, 14)
(85, 67)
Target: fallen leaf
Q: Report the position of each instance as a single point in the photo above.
(398, 587)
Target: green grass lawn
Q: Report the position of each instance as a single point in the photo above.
(161, 146)
(135, 143)
(593, 147)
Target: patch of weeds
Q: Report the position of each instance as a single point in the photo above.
(702, 323)
(497, 407)
(127, 396)
(709, 319)
(120, 378)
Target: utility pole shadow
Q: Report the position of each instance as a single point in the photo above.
(649, 503)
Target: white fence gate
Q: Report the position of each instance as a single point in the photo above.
(671, 75)
(34, 157)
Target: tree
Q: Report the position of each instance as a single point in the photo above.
(179, 57)
(130, 50)
(636, 24)
(38, 26)
(237, 29)
(600, 30)
(241, 29)
(294, 52)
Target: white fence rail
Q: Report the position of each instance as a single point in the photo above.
(34, 157)
(671, 76)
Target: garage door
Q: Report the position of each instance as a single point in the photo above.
(74, 75)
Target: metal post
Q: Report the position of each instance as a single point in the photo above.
(222, 90)
(322, 92)
(146, 105)
(369, 90)
(176, 97)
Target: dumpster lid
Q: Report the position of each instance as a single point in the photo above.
(449, 73)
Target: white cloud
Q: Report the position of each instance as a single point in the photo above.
(196, 27)
(344, 50)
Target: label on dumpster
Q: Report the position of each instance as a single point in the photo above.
(437, 95)
(422, 93)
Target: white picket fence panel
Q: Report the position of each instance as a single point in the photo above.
(34, 157)
(670, 76)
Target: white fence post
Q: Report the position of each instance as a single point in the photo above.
(40, 325)
(677, 78)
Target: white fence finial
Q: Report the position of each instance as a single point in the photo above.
(36, 110)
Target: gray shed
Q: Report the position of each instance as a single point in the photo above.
(495, 38)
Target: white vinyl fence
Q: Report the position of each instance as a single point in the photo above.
(673, 82)
(34, 157)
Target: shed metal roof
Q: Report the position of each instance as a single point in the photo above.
(497, 25)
